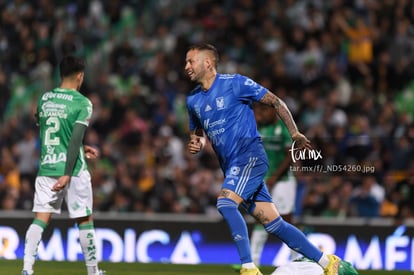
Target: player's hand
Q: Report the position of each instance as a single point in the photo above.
(301, 141)
(91, 152)
(61, 183)
(196, 144)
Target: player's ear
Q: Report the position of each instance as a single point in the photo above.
(80, 75)
(205, 59)
(209, 63)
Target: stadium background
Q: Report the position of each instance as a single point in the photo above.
(343, 67)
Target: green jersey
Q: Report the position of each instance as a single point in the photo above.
(57, 112)
(276, 138)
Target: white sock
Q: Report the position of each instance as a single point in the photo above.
(248, 265)
(88, 245)
(324, 260)
(257, 243)
(32, 240)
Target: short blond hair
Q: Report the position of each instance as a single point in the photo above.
(207, 47)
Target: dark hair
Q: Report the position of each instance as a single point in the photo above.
(207, 47)
(70, 65)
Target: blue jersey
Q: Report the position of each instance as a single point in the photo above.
(226, 115)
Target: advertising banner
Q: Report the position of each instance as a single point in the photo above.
(205, 241)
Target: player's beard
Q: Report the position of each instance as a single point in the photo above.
(198, 77)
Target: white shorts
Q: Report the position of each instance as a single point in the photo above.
(77, 194)
(299, 268)
(284, 195)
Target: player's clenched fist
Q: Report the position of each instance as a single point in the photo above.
(196, 144)
(91, 152)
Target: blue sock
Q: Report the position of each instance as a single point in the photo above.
(230, 212)
(294, 238)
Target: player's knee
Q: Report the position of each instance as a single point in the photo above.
(263, 212)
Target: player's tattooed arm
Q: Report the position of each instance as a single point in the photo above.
(283, 112)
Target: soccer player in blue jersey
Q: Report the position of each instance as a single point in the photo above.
(220, 107)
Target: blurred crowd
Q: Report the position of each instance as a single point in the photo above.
(344, 68)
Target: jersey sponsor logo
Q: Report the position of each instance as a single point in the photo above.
(49, 106)
(51, 109)
(235, 170)
(208, 108)
(208, 125)
(51, 157)
(64, 96)
(231, 182)
(250, 82)
(54, 158)
(216, 140)
(220, 103)
(214, 133)
(50, 149)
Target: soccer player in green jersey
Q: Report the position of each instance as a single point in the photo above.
(279, 179)
(63, 115)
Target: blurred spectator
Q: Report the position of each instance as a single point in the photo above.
(316, 199)
(357, 144)
(367, 198)
(26, 153)
(9, 181)
(9, 170)
(172, 147)
(360, 46)
(4, 94)
(9, 199)
(406, 188)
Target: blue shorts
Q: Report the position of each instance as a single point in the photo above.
(246, 179)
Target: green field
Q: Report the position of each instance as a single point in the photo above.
(56, 268)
